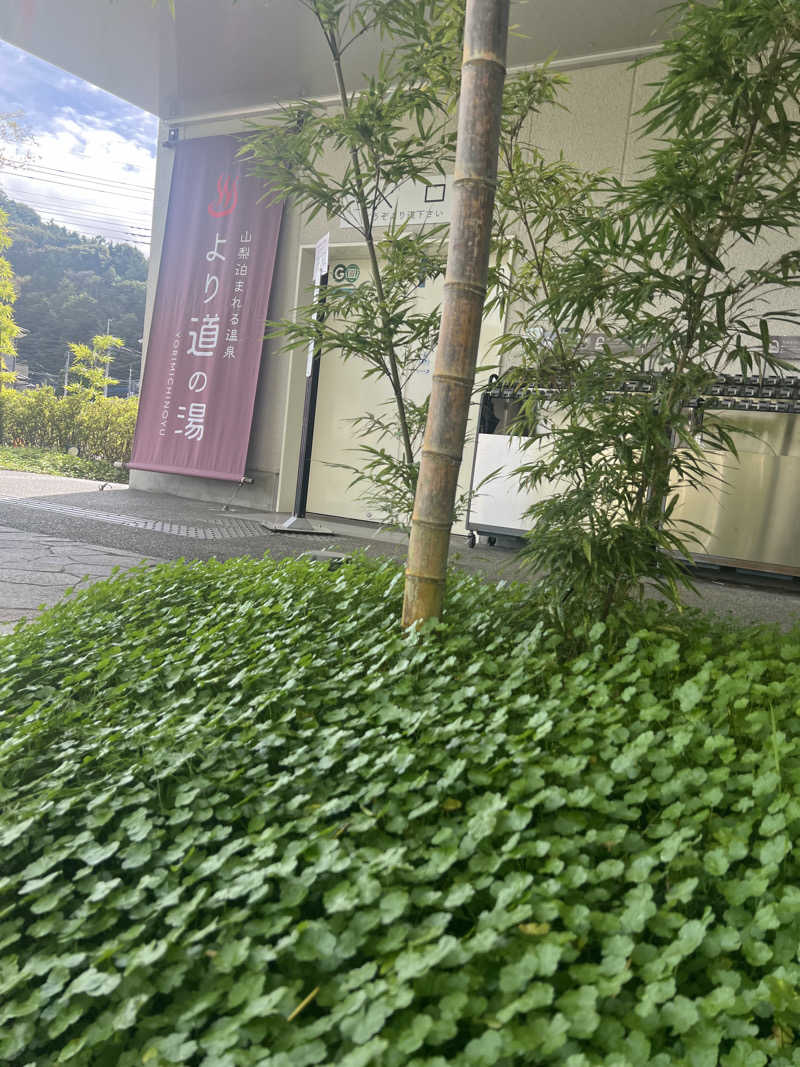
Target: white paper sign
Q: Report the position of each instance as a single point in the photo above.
(320, 267)
(310, 357)
(414, 203)
(321, 257)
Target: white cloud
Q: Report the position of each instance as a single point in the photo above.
(88, 176)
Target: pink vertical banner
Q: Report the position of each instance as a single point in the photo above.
(204, 348)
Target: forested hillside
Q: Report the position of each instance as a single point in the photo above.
(69, 287)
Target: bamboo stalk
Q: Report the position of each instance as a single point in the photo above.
(482, 77)
(302, 1004)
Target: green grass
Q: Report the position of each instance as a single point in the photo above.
(244, 820)
(41, 461)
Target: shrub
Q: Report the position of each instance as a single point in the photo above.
(40, 461)
(105, 428)
(246, 821)
(99, 427)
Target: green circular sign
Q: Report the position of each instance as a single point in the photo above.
(350, 272)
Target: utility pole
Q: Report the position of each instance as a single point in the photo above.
(130, 380)
(66, 373)
(482, 78)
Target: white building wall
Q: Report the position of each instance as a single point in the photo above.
(598, 131)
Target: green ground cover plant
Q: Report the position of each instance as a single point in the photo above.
(245, 820)
(42, 461)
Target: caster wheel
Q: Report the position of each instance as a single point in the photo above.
(491, 540)
(472, 540)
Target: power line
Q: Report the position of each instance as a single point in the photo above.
(109, 233)
(68, 217)
(113, 221)
(95, 192)
(43, 197)
(75, 185)
(53, 207)
(114, 238)
(79, 174)
(81, 227)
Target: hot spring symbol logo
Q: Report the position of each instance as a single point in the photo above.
(349, 273)
(227, 198)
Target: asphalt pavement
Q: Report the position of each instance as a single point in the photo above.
(59, 533)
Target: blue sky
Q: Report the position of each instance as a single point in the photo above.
(91, 165)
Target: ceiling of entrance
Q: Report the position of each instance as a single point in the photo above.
(216, 55)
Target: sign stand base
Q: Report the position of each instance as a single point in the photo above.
(296, 524)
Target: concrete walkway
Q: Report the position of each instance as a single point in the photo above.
(36, 571)
(58, 533)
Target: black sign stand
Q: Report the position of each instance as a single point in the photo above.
(297, 522)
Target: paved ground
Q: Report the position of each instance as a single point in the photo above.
(57, 533)
(36, 571)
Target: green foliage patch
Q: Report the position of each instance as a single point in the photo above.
(101, 428)
(69, 287)
(653, 264)
(40, 461)
(246, 821)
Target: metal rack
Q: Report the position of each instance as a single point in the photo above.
(751, 515)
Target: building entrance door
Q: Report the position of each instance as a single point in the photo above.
(345, 394)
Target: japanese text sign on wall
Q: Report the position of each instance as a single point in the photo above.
(414, 203)
(204, 347)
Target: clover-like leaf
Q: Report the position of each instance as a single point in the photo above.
(94, 983)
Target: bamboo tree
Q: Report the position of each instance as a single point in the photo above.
(90, 366)
(482, 79)
(679, 266)
(387, 130)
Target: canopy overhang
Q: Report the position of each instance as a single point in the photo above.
(216, 56)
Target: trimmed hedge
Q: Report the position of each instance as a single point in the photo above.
(246, 821)
(100, 427)
(41, 461)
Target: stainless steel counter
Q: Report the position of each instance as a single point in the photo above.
(752, 512)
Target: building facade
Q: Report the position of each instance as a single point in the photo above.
(214, 68)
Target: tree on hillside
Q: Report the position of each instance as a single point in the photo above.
(9, 330)
(12, 132)
(69, 287)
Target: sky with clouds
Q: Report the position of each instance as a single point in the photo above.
(92, 166)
